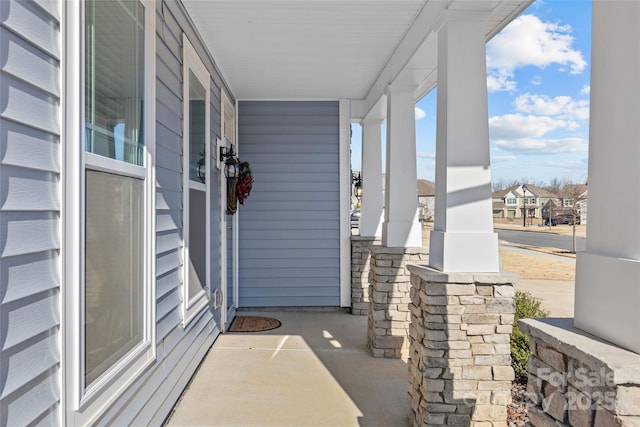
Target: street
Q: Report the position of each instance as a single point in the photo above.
(533, 238)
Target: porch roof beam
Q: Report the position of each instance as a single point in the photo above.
(415, 59)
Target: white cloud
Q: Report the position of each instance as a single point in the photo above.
(517, 126)
(426, 154)
(542, 146)
(498, 83)
(420, 113)
(560, 106)
(529, 41)
(502, 159)
(585, 90)
(536, 80)
(580, 164)
(525, 134)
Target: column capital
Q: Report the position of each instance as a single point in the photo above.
(372, 121)
(400, 88)
(460, 16)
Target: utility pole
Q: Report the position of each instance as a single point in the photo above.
(524, 205)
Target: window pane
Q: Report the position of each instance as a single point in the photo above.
(114, 80)
(113, 269)
(197, 129)
(197, 242)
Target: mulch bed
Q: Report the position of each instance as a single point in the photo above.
(517, 409)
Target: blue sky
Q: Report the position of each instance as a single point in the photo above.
(538, 81)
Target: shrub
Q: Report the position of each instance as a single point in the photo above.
(527, 306)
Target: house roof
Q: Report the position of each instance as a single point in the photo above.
(540, 192)
(531, 189)
(322, 49)
(426, 188)
(499, 194)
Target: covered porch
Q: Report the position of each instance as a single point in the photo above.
(314, 370)
(441, 44)
(204, 78)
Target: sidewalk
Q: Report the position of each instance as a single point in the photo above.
(557, 296)
(561, 229)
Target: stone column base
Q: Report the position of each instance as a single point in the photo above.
(360, 261)
(578, 379)
(389, 283)
(460, 356)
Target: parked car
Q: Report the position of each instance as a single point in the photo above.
(563, 219)
(355, 218)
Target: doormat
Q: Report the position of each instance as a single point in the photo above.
(253, 324)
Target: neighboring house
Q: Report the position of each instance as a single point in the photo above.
(505, 204)
(573, 201)
(511, 202)
(426, 199)
(119, 265)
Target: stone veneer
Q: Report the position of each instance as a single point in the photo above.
(460, 359)
(360, 261)
(389, 284)
(578, 379)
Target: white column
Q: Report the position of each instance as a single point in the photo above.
(401, 228)
(345, 202)
(372, 203)
(463, 239)
(607, 300)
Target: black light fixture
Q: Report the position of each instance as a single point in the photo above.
(524, 205)
(201, 172)
(230, 162)
(357, 186)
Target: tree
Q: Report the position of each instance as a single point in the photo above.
(554, 186)
(572, 196)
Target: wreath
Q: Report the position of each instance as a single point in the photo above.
(239, 188)
(244, 183)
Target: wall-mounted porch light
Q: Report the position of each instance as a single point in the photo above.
(230, 162)
(357, 186)
(201, 172)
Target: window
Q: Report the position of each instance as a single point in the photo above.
(512, 201)
(567, 203)
(197, 184)
(114, 270)
(110, 314)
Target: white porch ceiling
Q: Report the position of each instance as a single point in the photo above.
(330, 49)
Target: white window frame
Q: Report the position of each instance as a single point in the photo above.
(512, 201)
(192, 62)
(83, 406)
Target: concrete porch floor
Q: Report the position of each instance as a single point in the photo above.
(314, 370)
